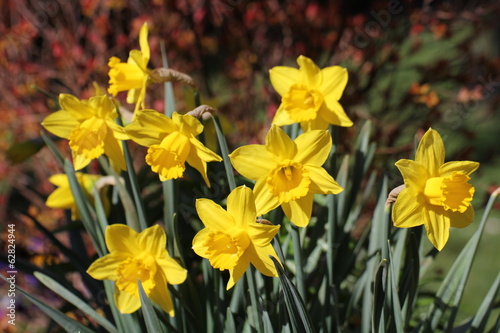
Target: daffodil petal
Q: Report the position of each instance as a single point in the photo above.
(126, 302)
(138, 58)
(160, 294)
(188, 123)
(60, 179)
(260, 259)
(414, 174)
(321, 181)
(150, 127)
(122, 238)
(79, 161)
(334, 81)
(143, 42)
(333, 113)
(437, 224)
(76, 108)
(262, 234)
(299, 211)
(265, 201)
(237, 272)
(407, 211)
(113, 150)
(461, 220)
(199, 242)
(60, 123)
(282, 78)
(282, 117)
(199, 156)
(313, 147)
(253, 161)
(466, 167)
(310, 74)
(118, 131)
(201, 166)
(153, 240)
(61, 198)
(173, 271)
(430, 152)
(280, 144)
(105, 267)
(315, 124)
(241, 206)
(213, 216)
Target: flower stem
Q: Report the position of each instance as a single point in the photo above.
(253, 298)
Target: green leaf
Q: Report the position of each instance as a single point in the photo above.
(67, 323)
(379, 296)
(225, 153)
(83, 205)
(483, 313)
(73, 299)
(294, 304)
(451, 290)
(21, 151)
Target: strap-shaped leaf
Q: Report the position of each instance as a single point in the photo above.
(294, 304)
(67, 323)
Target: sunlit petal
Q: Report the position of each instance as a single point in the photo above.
(237, 272)
(60, 123)
(241, 206)
(322, 182)
(150, 127)
(265, 201)
(213, 216)
(126, 302)
(313, 147)
(283, 77)
(437, 224)
(280, 144)
(466, 167)
(334, 82)
(430, 152)
(310, 74)
(333, 113)
(407, 211)
(299, 211)
(414, 174)
(253, 161)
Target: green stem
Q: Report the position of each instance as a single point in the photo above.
(253, 298)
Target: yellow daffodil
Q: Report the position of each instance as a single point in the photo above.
(138, 256)
(171, 142)
(132, 75)
(437, 194)
(232, 239)
(62, 197)
(287, 172)
(310, 96)
(90, 127)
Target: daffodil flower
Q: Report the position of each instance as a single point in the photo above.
(138, 256)
(171, 142)
(310, 96)
(287, 173)
(232, 239)
(90, 127)
(62, 197)
(133, 75)
(436, 194)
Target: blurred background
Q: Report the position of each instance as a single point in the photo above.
(412, 65)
